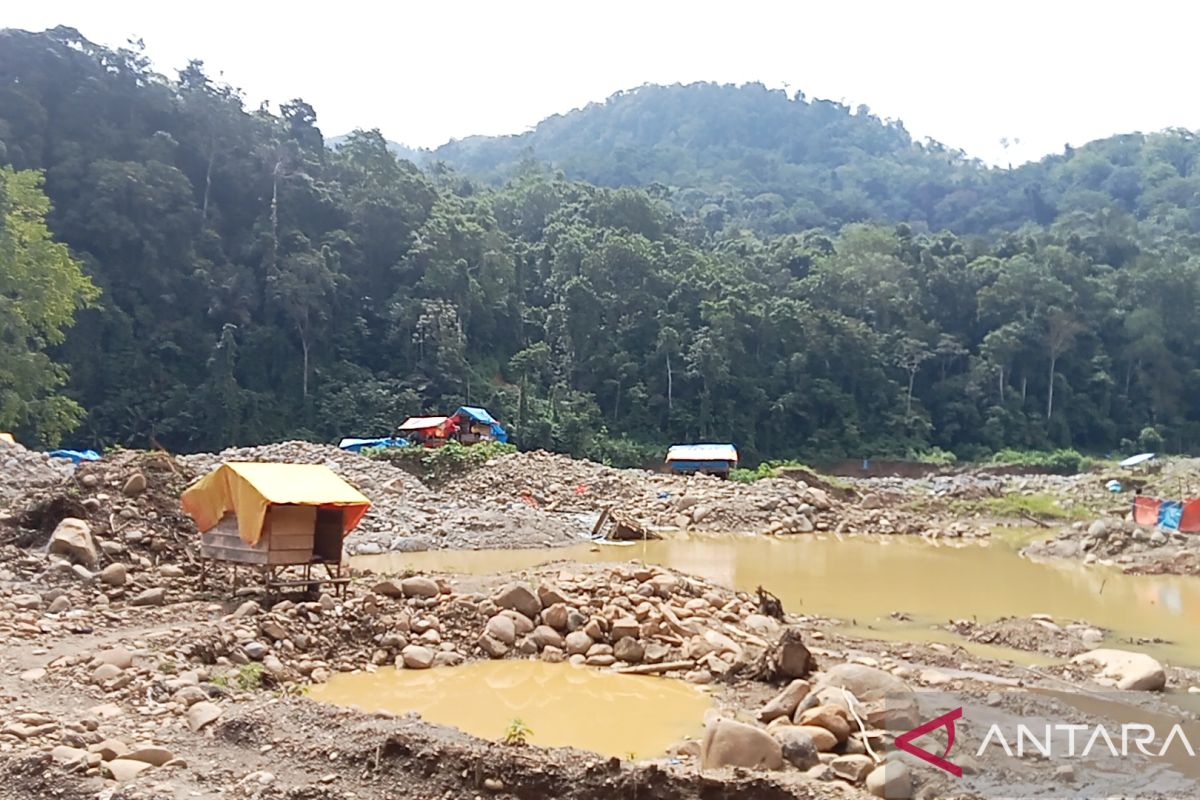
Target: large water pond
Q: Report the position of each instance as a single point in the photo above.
(865, 579)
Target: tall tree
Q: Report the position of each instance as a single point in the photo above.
(41, 288)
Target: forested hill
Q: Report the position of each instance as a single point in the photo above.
(255, 284)
(750, 156)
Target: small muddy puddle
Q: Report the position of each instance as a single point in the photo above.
(864, 579)
(560, 704)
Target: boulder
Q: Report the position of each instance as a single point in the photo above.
(73, 539)
(255, 651)
(626, 626)
(521, 623)
(151, 597)
(544, 636)
(556, 616)
(418, 586)
(884, 699)
(822, 739)
(786, 702)
(728, 743)
(154, 756)
(388, 588)
(629, 649)
(113, 575)
(798, 747)
(1131, 671)
(502, 629)
(68, 755)
(417, 657)
(105, 672)
(110, 749)
(202, 714)
(830, 717)
(493, 647)
(553, 655)
(59, 604)
(124, 769)
(720, 643)
(135, 485)
(578, 642)
(117, 656)
(852, 768)
(27, 602)
(518, 597)
(549, 594)
(891, 780)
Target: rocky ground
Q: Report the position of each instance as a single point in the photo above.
(121, 676)
(1119, 542)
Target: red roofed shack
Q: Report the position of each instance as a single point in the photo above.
(428, 431)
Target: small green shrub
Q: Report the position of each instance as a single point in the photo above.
(934, 455)
(438, 463)
(1065, 462)
(249, 677)
(517, 733)
(767, 469)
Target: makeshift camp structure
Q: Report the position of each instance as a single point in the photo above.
(711, 459)
(274, 516)
(477, 425)
(428, 431)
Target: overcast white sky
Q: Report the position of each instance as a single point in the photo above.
(967, 73)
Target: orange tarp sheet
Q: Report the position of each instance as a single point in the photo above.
(1145, 510)
(247, 489)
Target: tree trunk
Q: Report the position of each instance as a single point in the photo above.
(912, 377)
(521, 405)
(304, 350)
(275, 218)
(1024, 387)
(670, 403)
(1002, 386)
(212, 156)
(1050, 393)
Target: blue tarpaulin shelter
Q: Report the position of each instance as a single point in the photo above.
(482, 417)
(356, 445)
(75, 456)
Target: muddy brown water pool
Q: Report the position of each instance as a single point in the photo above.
(560, 704)
(865, 579)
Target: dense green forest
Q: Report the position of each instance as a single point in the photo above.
(699, 262)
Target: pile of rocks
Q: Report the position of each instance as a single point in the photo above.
(23, 471)
(830, 726)
(636, 619)
(646, 620)
(1113, 540)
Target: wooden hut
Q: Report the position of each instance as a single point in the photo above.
(271, 517)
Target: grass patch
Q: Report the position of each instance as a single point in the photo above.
(1014, 506)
